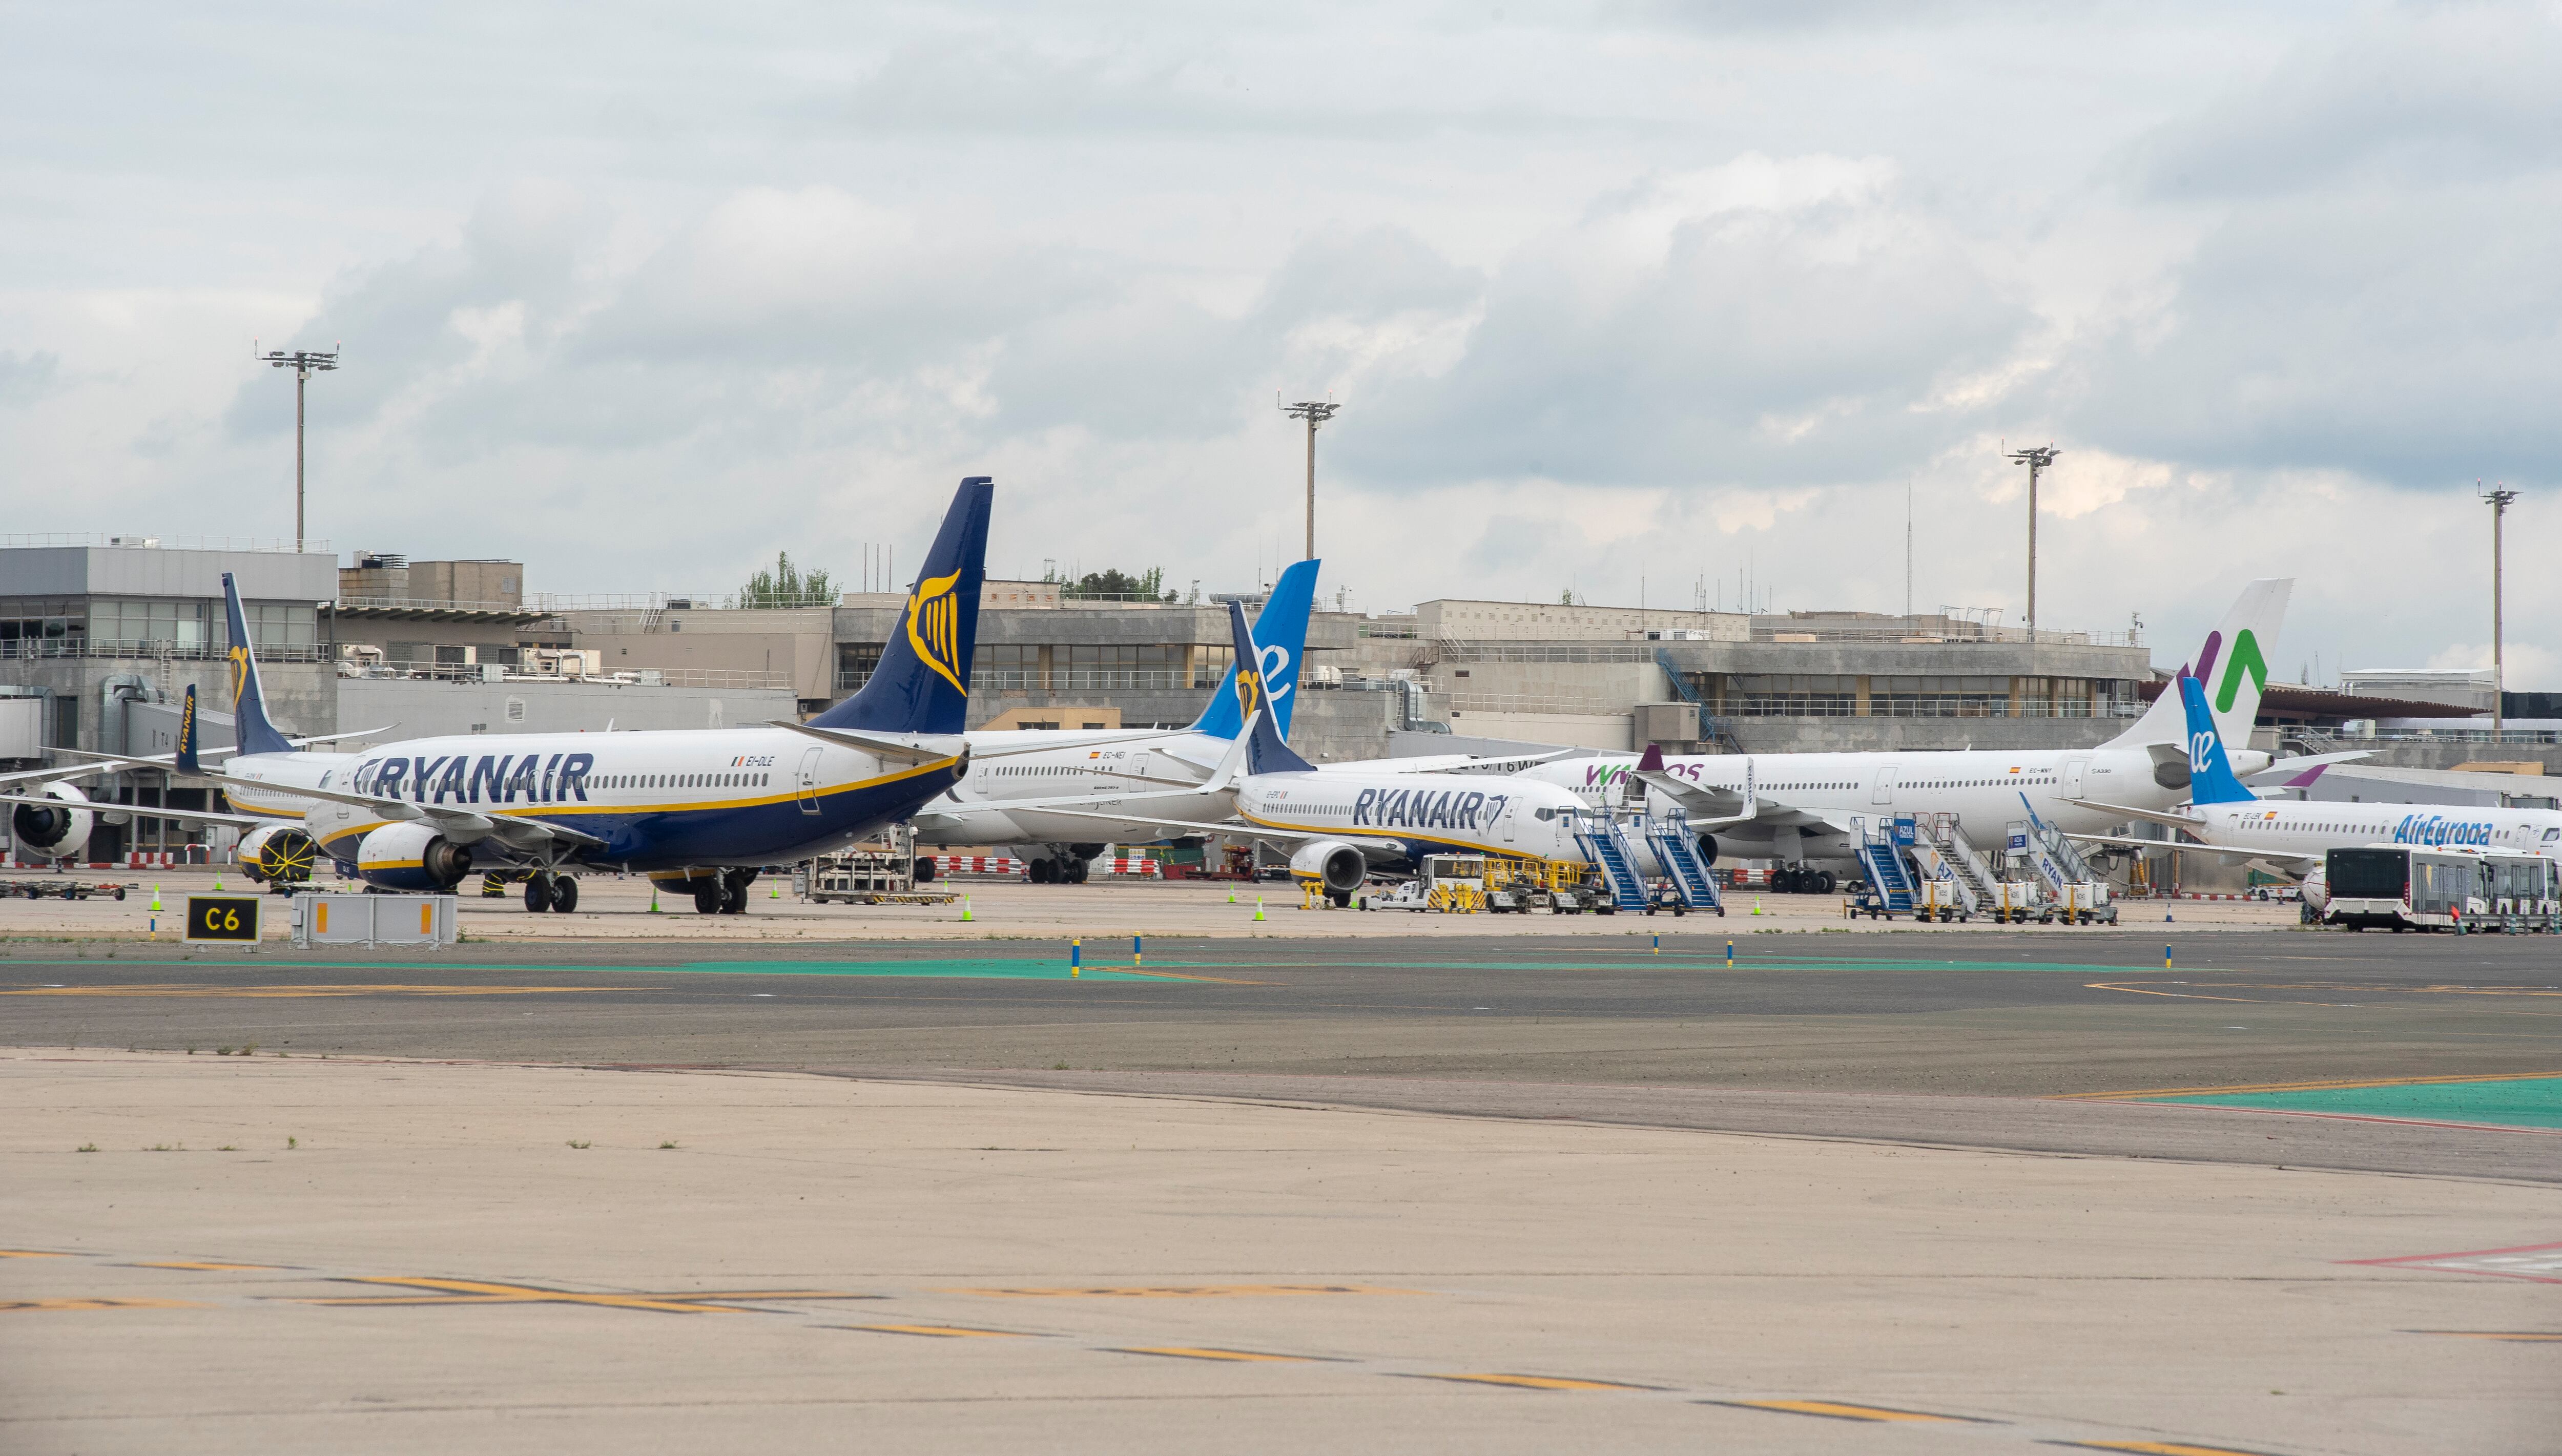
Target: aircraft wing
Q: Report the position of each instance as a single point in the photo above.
(2298, 766)
(914, 748)
(1232, 830)
(2150, 816)
(148, 811)
(509, 829)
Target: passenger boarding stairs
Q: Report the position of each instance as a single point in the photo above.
(2059, 864)
(1943, 852)
(1881, 855)
(1605, 846)
(1677, 850)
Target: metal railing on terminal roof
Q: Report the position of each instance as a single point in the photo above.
(163, 543)
(44, 649)
(480, 672)
(1923, 705)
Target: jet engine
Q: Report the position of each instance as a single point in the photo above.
(278, 855)
(1707, 849)
(411, 857)
(56, 832)
(1334, 863)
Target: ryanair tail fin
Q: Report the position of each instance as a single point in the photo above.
(250, 727)
(922, 684)
(2210, 776)
(186, 755)
(2235, 659)
(1281, 641)
(1265, 753)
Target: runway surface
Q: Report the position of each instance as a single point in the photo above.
(2066, 1042)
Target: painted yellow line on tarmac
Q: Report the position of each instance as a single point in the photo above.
(189, 1264)
(477, 1291)
(18, 1305)
(2321, 1086)
(1536, 1382)
(1188, 1351)
(945, 1332)
(31, 1254)
(1180, 1291)
(288, 992)
(2159, 1448)
(1837, 1410)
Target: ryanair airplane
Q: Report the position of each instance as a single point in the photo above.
(703, 808)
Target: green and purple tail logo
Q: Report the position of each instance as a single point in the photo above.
(2246, 658)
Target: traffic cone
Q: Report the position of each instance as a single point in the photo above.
(156, 899)
(1231, 895)
(1258, 907)
(1757, 904)
(966, 916)
(218, 882)
(778, 889)
(654, 899)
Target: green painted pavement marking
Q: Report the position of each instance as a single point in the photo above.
(2525, 1102)
(976, 969)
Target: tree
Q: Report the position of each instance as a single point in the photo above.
(784, 585)
(1115, 584)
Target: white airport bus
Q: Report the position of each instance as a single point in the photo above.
(2405, 888)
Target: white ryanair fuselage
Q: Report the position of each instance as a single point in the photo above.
(1428, 812)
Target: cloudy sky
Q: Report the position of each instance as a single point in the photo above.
(1609, 293)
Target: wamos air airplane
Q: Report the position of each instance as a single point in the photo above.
(703, 808)
(1806, 810)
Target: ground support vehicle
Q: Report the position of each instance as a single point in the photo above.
(2467, 891)
(63, 888)
(864, 877)
(1452, 884)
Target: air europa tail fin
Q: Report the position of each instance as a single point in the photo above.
(1265, 753)
(1281, 641)
(250, 727)
(922, 684)
(186, 755)
(2210, 776)
(2233, 663)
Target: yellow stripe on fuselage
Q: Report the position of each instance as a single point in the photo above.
(547, 810)
(1375, 831)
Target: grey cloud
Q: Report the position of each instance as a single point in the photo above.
(1775, 348)
(26, 378)
(2418, 96)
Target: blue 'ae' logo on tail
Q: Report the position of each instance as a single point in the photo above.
(2210, 775)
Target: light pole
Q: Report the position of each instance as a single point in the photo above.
(2497, 497)
(2037, 458)
(1316, 413)
(304, 363)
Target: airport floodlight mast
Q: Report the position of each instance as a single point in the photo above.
(304, 363)
(1316, 413)
(2498, 498)
(2038, 458)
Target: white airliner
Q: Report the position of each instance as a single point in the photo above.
(1807, 810)
(1337, 822)
(703, 808)
(1041, 789)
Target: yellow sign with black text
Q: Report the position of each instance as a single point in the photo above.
(223, 918)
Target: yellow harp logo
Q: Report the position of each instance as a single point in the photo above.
(1249, 694)
(934, 627)
(239, 672)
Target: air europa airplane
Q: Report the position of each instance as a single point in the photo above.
(701, 807)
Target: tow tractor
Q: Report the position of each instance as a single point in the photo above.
(61, 890)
